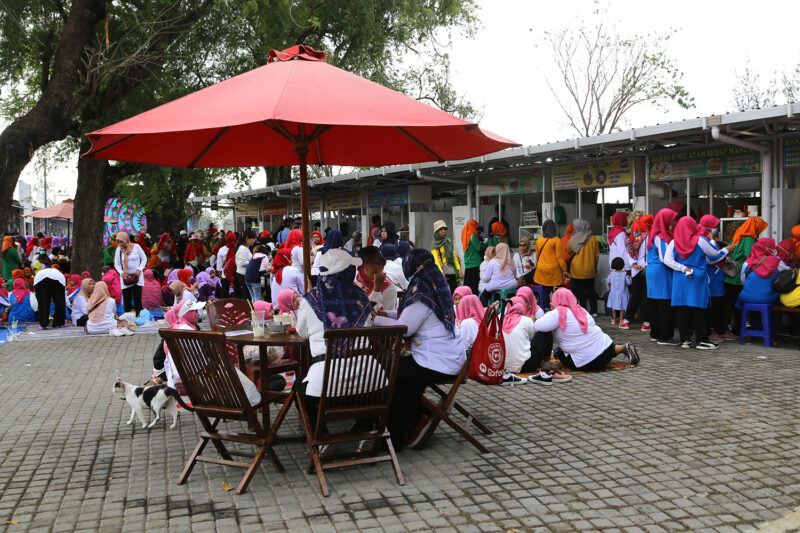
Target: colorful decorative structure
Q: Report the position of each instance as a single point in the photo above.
(130, 217)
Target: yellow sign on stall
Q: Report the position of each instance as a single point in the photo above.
(247, 210)
(610, 173)
(342, 201)
(314, 205)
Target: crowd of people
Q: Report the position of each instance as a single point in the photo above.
(667, 270)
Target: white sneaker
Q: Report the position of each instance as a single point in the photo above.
(116, 332)
(513, 379)
(126, 332)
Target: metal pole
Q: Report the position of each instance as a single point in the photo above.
(711, 196)
(688, 196)
(301, 149)
(469, 200)
(602, 211)
(578, 196)
(647, 183)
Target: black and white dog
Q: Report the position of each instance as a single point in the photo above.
(154, 397)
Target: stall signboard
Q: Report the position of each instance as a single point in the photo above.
(342, 201)
(704, 163)
(610, 173)
(314, 205)
(247, 210)
(791, 153)
(395, 196)
(517, 182)
(274, 207)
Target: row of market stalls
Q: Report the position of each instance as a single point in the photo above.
(728, 165)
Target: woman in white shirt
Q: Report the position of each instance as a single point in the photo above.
(488, 255)
(524, 258)
(285, 276)
(242, 258)
(103, 313)
(437, 351)
(469, 315)
(130, 260)
(336, 302)
(618, 236)
(500, 273)
(374, 282)
(635, 257)
(518, 332)
(582, 345)
(79, 304)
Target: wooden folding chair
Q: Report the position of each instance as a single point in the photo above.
(217, 394)
(358, 383)
(232, 313)
(442, 410)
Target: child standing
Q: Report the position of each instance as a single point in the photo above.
(618, 282)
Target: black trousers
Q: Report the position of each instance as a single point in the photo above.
(132, 299)
(583, 289)
(716, 315)
(692, 319)
(541, 348)
(48, 290)
(598, 363)
(240, 288)
(226, 288)
(733, 315)
(412, 379)
(158, 362)
(472, 277)
(661, 323)
(638, 299)
(452, 282)
(546, 293)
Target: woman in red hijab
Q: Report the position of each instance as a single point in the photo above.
(31, 248)
(786, 250)
(617, 236)
(758, 273)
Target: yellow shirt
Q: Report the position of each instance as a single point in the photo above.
(441, 259)
(792, 299)
(584, 263)
(550, 264)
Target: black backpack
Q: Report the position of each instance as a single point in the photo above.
(785, 281)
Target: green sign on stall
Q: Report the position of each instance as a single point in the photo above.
(704, 163)
(515, 182)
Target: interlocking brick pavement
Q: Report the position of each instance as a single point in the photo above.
(689, 440)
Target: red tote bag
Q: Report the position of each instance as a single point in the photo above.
(489, 351)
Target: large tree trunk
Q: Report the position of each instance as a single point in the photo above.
(94, 190)
(51, 117)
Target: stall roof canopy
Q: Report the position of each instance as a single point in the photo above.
(753, 126)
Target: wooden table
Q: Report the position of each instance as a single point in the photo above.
(299, 366)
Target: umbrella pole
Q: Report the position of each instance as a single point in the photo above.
(301, 149)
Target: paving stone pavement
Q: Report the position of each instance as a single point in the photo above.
(688, 441)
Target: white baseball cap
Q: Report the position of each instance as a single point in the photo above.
(336, 260)
(191, 306)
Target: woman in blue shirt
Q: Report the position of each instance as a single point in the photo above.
(659, 277)
(758, 272)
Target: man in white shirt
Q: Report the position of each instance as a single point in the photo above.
(50, 284)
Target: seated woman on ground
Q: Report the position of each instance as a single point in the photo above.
(20, 303)
(500, 273)
(459, 293)
(582, 345)
(469, 315)
(80, 306)
(152, 295)
(102, 311)
(181, 292)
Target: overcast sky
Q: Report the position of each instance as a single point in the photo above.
(500, 70)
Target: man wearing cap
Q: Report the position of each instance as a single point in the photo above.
(442, 251)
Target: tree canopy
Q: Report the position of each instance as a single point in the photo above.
(142, 53)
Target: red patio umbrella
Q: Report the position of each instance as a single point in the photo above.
(294, 110)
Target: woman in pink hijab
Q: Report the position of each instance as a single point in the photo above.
(582, 345)
(469, 315)
(689, 255)
(459, 293)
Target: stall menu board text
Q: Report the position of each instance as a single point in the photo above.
(705, 163)
(396, 196)
(611, 173)
(521, 181)
(314, 205)
(274, 207)
(345, 200)
(791, 153)
(247, 210)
